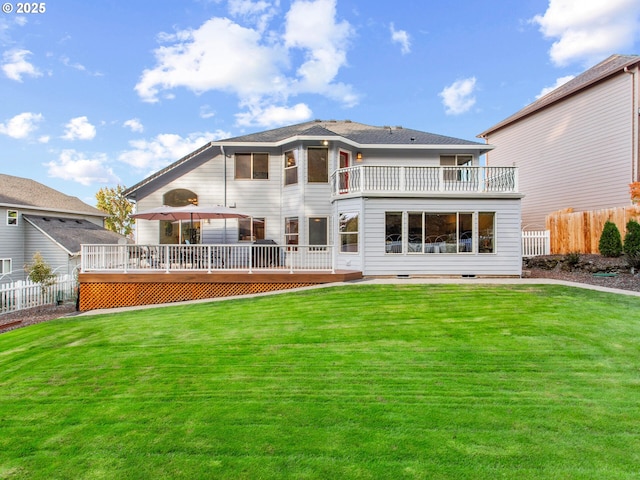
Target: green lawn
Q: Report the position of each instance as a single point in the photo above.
(373, 382)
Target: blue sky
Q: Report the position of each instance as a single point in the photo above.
(103, 93)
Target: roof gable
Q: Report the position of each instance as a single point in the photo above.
(71, 233)
(610, 66)
(24, 192)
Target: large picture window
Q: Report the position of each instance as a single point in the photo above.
(290, 168)
(252, 166)
(439, 232)
(348, 232)
(251, 229)
(318, 165)
(12, 217)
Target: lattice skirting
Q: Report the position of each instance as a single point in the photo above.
(111, 295)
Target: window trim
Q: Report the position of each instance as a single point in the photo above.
(4, 261)
(341, 245)
(13, 221)
(322, 182)
(311, 221)
(290, 168)
(251, 166)
(252, 235)
(291, 235)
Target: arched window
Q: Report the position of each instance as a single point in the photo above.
(179, 198)
(179, 232)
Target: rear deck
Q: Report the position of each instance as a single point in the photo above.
(99, 290)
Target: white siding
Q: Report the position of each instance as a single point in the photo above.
(57, 258)
(575, 154)
(506, 260)
(11, 245)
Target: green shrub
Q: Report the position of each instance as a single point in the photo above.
(632, 238)
(610, 241)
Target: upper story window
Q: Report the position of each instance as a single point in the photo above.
(455, 161)
(12, 217)
(318, 165)
(252, 166)
(290, 168)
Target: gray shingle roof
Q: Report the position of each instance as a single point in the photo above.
(357, 132)
(612, 65)
(18, 191)
(71, 233)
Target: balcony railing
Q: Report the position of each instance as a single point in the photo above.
(205, 258)
(370, 179)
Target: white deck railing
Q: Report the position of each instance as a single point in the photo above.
(205, 258)
(424, 180)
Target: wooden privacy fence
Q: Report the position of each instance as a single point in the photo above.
(580, 232)
(27, 294)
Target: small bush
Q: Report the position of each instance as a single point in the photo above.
(610, 241)
(632, 238)
(572, 259)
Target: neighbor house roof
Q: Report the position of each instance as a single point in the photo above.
(22, 192)
(356, 134)
(615, 64)
(71, 233)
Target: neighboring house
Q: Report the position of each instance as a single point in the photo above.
(36, 218)
(391, 200)
(577, 146)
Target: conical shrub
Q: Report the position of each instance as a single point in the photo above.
(632, 238)
(610, 240)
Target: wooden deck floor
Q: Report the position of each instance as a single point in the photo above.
(111, 290)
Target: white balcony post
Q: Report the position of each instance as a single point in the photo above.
(441, 179)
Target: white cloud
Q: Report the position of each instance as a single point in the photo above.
(271, 116)
(206, 112)
(559, 82)
(260, 67)
(15, 65)
(22, 125)
(401, 37)
(79, 128)
(75, 166)
(458, 97)
(66, 61)
(165, 148)
(257, 12)
(134, 124)
(589, 30)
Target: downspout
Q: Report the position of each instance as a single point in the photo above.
(224, 175)
(635, 145)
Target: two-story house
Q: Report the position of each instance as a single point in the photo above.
(576, 147)
(389, 200)
(36, 218)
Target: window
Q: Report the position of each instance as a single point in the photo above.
(251, 229)
(348, 232)
(486, 229)
(291, 232)
(454, 173)
(435, 232)
(5, 266)
(317, 165)
(12, 217)
(252, 166)
(181, 231)
(290, 168)
(393, 232)
(318, 231)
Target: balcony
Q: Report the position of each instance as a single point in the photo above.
(385, 180)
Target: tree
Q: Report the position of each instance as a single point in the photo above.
(113, 202)
(634, 190)
(40, 272)
(610, 241)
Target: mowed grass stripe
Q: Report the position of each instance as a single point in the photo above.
(409, 381)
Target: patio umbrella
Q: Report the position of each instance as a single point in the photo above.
(189, 212)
